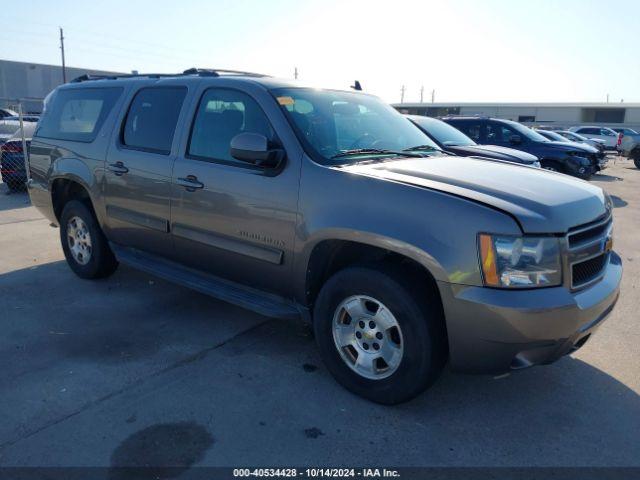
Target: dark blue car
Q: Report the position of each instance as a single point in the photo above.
(572, 159)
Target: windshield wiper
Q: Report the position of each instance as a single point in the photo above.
(365, 151)
(423, 148)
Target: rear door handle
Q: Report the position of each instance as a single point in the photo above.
(118, 168)
(190, 183)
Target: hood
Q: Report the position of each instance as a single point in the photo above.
(572, 146)
(493, 151)
(541, 201)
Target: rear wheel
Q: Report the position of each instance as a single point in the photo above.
(85, 246)
(380, 334)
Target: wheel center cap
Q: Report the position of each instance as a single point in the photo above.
(368, 335)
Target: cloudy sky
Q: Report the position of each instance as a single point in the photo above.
(465, 50)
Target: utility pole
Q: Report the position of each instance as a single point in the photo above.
(64, 68)
(433, 95)
(421, 94)
(607, 98)
(295, 73)
(402, 94)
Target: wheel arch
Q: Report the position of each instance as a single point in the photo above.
(326, 256)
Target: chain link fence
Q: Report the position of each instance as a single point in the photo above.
(18, 120)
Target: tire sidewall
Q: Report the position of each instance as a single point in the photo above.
(412, 375)
(92, 269)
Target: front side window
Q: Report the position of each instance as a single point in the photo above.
(77, 114)
(223, 114)
(497, 133)
(153, 115)
(334, 123)
(473, 130)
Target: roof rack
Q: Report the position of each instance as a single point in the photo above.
(203, 72)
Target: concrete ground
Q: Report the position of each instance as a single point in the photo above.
(134, 370)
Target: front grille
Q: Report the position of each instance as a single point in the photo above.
(588, 270)
(589, 234)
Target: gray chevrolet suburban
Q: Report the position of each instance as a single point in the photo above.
(332, 207)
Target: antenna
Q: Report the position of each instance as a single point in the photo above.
(356, 86)
(402, 90)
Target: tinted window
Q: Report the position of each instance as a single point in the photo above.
(589, 131)
(152, 118)
(497, 133)
(222, 115)
(443, 132)
(77, 114)
(470, 129)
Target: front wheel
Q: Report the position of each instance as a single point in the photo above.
(380, 334)
(85, 246)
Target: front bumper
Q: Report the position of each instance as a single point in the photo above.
(495, 330)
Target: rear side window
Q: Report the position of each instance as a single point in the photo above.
(152, 118)
(77, 114)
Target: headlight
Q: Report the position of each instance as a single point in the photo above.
(520, 262)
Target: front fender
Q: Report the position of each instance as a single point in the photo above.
(435, 229)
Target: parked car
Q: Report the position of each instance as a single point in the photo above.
(609, 136)
(561, 157)
(627, 132)
(12, 166)
(557, 137)
(631, 149)
(453, 141)
(329, 206)
(577, 138)
(6, 112)
(8, 128)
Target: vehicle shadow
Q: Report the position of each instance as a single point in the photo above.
(569, 413)
(602, 177)
(618, 202)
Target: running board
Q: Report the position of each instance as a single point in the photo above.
(265, 304)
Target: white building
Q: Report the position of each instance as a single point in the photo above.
(552, 114)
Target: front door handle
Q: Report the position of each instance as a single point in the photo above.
(118, 168)
(190, 183)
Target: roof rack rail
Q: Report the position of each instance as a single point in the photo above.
(203, 72)
(215, 72)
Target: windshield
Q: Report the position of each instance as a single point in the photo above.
(553, 136)
(443, 132)
(526, 132)
(341, 127)
(574, 137)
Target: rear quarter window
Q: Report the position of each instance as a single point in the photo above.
(77, 114)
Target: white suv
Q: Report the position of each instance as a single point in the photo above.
(609, 136)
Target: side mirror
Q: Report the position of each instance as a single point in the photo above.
(515, 140)
(254, 148)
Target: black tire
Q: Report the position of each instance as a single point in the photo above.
(102, 262)
(418, 311)
(636, 161)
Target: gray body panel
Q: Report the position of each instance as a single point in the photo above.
(250, 233)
